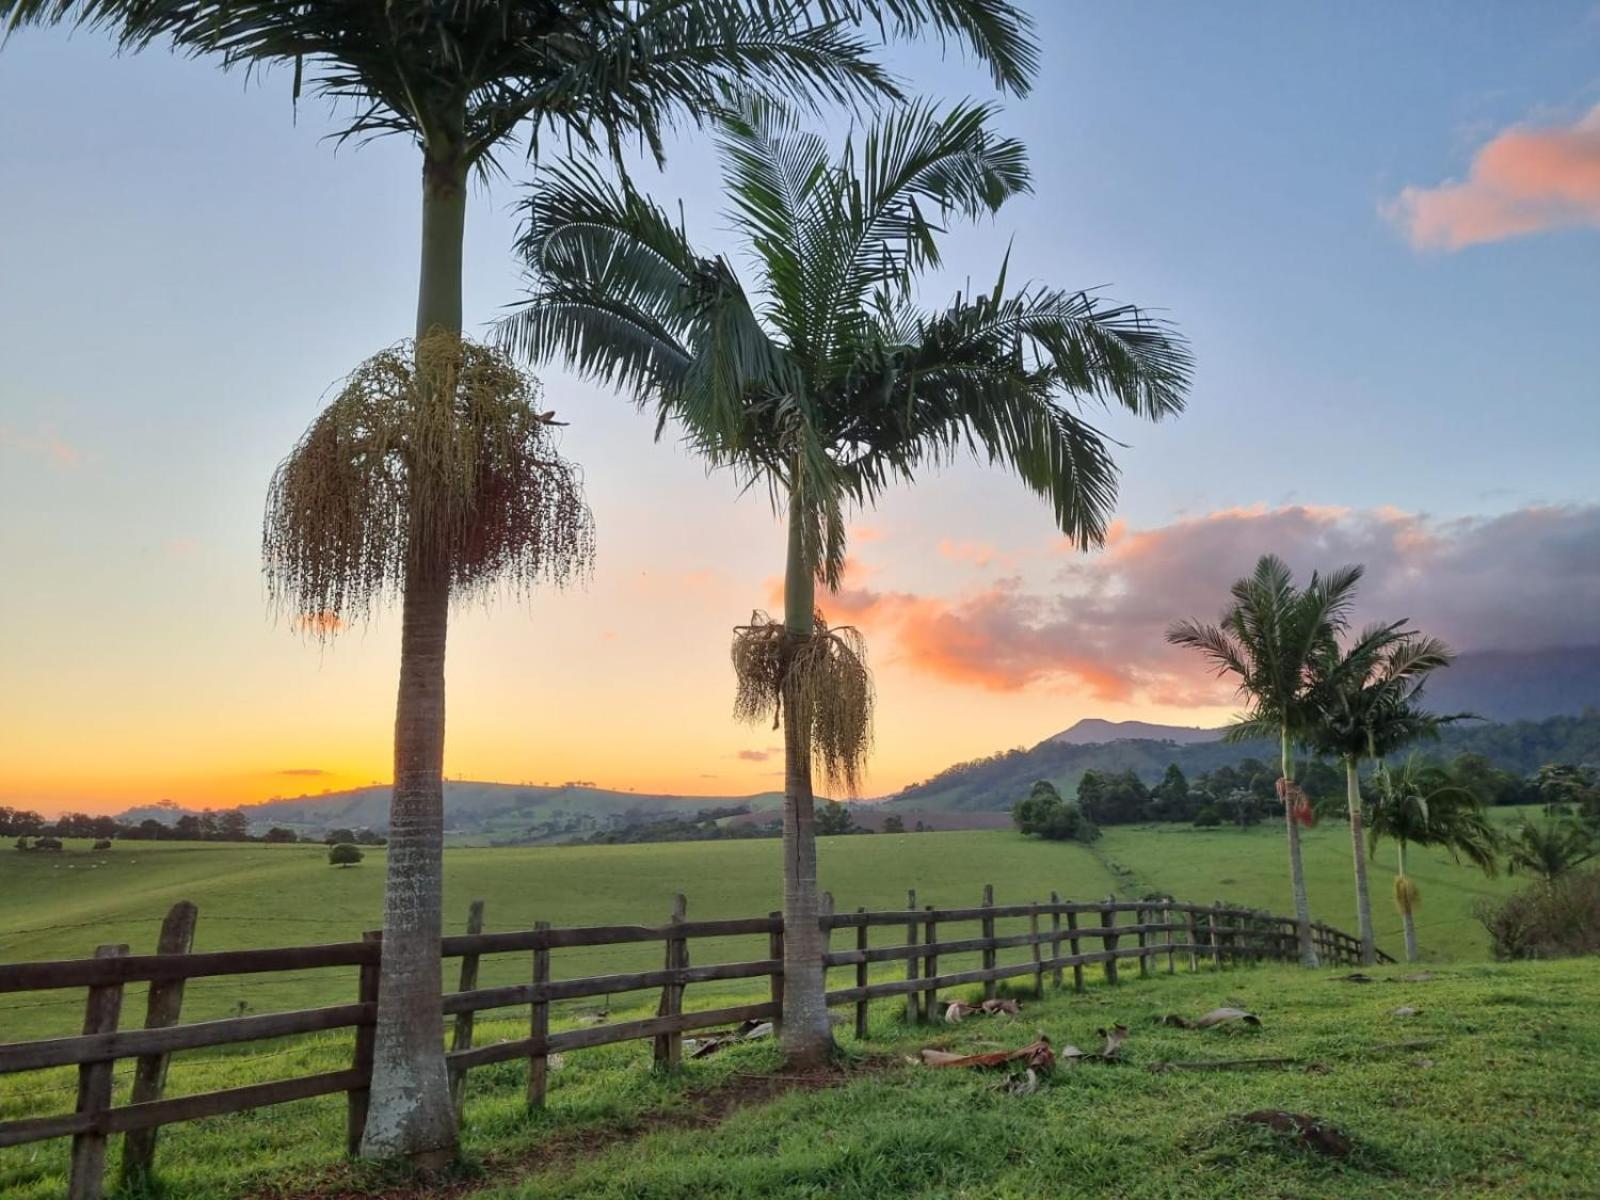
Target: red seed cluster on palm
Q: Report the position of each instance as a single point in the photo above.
(1297, 802)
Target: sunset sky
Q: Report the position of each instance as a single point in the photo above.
(1379, 227)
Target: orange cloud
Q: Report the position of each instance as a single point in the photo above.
(1524, 180)
(319, 624)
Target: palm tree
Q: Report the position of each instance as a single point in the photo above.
(827, 383)
(1368, 702)
(1270, 638)
(1422, 806)
(464, 79)
(1550, 848)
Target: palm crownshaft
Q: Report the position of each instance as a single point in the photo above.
(826, 382)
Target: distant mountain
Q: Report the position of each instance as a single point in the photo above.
(1092, 731)
(1509, 685)
(995, 783)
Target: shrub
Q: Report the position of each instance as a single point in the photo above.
(1547, 920)
(345, 854)
(46, 843)
(1208, 818)
(102, 844)
(22, 843)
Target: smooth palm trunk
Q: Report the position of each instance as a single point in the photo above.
(1297, 871)
(1352, 789)
(807, 1037)
(410, 1115)
(1407, 912)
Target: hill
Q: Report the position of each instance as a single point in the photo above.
(996, 782)
(1092, 731)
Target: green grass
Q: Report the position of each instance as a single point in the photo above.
(881, 1130)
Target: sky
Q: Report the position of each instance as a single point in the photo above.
(1379, 226)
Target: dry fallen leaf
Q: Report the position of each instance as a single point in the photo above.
(1405, 1012)
(1009, 1007)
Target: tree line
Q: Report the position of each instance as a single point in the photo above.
(227, 825)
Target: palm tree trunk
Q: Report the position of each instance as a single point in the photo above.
(410, 1115)
(1369, 944)
(807, 1036)
(1407, 915)
(1297, 871)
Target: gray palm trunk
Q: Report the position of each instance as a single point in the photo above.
(1407, 917)
(807, 1037)
(410, 1114)
(1369, 943)
(1297, 871)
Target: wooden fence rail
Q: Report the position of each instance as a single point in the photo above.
(1215, 936)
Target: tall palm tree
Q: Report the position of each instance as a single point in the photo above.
(1550, 848)
(1368, 701)
(464, 80)
(1270, 638)
(1420, 805)
(826, 382)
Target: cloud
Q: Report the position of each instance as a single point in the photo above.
(1523, 180)
(1526, 580)
(759, 755)
(321, 624)
(304, 771)
(44, 443)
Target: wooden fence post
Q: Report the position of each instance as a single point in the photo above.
(539, 1021)
(150, 1074)
(825, 918)
(669, 1046)
(1144, 943)
(1166, 919)
(101, 1012)
(1055, 939)
(930, 964)
(1194, 937)
(1038, 969)
(913, 1000)
(861, 977)
(1108, 920)
(989, 989)
(775, 952)
(461, 1039)
(358, 1098)
(1076, 946)
(1216, 937)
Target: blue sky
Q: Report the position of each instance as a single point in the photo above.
(186, 265)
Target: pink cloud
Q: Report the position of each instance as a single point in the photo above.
(43, 442)
(1524, 180)
(1522, 581)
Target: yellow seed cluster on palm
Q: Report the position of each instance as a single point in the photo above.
(1407, 896)
(827, 685)
(436, 449)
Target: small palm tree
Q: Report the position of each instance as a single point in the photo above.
(1270, 639)
(828, 383)
(1550, 848)
(465, 80)
(1368, 701)
(1420, 805)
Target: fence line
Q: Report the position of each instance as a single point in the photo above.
(1213, 935)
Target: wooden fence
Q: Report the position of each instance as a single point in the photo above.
(1147, 934)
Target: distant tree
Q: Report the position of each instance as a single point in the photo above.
(1207, 818)
(149, 830)
(102, 844)
(46, 843)
(1044, 813)
(834, 818)
(233, 826)
(894, 823)
(279, 834)
(187, 828)
(1170, 799)
(370, 837)
(334, 836)
(345, 854)
(921, 828)
(1550, 848)
(22, 843)
(1421, 805)
(1568, 788)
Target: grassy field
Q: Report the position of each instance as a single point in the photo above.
(1500, 1101)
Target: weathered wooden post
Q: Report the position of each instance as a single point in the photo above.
(1216, 935)
(461, 1038)
(1166, 919)
(669, 1046)
(1072, 941)
(913, 999)
(1108, 941)
(1033, 932)
(861, 975)
(357, 1098)
(539, 1021)
(1194, 937)
(1055, 939)
(989, 989)
(1143, 942)
(930, 964)
(775, 953)
(101, 1012)
(162, 1009)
